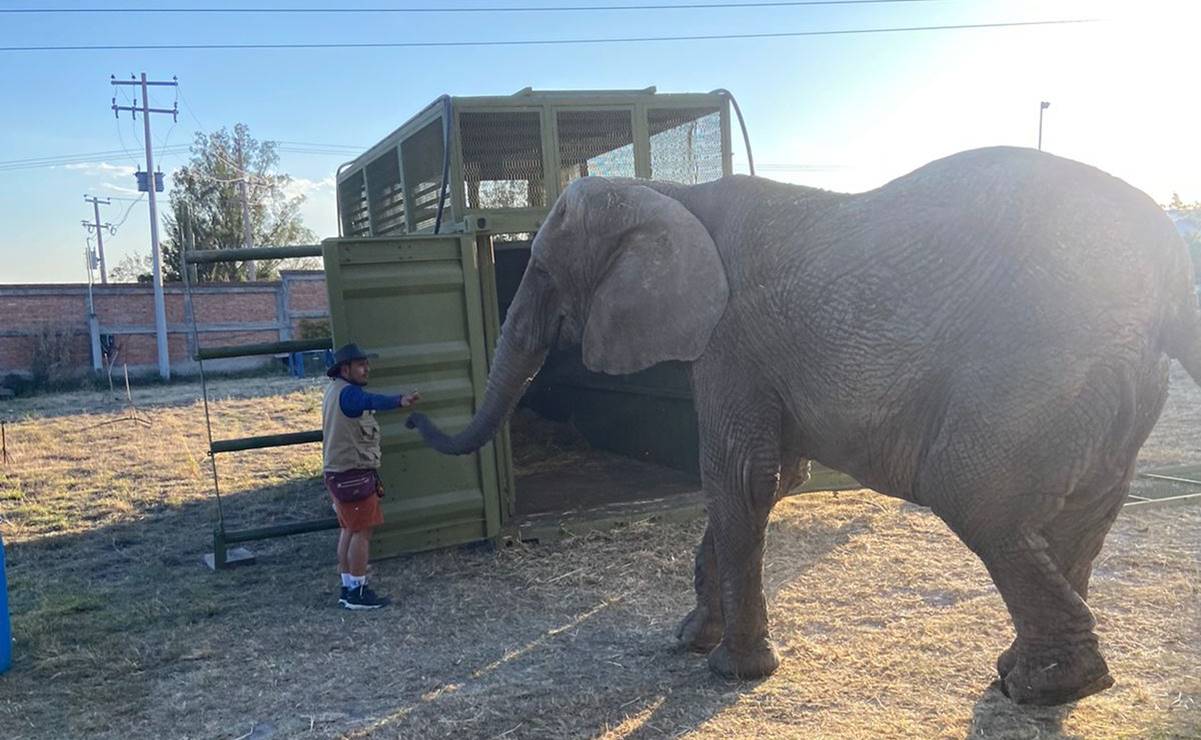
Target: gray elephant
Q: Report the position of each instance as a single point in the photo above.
(988, 336)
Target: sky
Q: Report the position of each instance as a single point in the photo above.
(843, 112)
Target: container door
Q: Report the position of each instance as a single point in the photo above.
(415, 301)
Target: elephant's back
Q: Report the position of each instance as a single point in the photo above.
(1016, 246)
(986, 268)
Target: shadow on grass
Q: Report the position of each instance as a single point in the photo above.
(606, 668)
(122, 626)
(97, 614)
(995, 715)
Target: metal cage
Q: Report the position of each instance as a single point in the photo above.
(496, 164)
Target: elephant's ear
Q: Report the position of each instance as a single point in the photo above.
(663, 292)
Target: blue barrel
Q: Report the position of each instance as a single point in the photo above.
(6, 633)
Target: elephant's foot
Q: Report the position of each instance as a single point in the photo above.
(1007, 660)
(699, 631)
(760, 661)
(1051, 677)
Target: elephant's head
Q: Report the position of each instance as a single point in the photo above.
(619, 267)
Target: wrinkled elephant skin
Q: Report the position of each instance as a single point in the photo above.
(988, 336)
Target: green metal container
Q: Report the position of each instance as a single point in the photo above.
(417, 302)
(483, 172)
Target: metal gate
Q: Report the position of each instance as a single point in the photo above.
(417, 302)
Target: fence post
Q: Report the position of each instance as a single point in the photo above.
(187, 272)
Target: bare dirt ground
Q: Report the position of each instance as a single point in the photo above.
(887, 625)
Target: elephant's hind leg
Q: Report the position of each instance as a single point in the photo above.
(1055, 658)
(1076, 533)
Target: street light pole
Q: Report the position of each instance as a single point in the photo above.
(1041, 107)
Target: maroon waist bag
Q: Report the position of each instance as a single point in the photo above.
(353, 485)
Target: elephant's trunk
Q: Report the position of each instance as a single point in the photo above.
(523, 347)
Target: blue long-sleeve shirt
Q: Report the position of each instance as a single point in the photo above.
(354, 401)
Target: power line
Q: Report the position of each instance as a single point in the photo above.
(322, 146)
(64, 160)
(127, 210)
(546, 42)
(511, 9)
(48, 158)
(121, 138)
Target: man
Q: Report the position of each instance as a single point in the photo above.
(351, 450)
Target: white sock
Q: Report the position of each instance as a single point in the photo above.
(346, 580)
(355, 581)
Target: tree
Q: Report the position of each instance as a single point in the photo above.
(134, 267)
(1188, 221)
(207, 192)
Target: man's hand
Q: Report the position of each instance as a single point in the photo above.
(410, 399)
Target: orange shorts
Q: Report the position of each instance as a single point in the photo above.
(359, 515)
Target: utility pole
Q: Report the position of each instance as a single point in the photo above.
(1041, 107)
(247, 240)
(93, 322)
(160, 311)
(96, 203)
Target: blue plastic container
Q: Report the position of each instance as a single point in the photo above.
(6, 633)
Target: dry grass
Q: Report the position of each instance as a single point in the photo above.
(887, 625)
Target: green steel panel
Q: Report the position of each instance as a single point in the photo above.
(506, 477)
(416, 301)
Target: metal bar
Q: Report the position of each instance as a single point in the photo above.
(219, 548)
(1166, 500)
(145, 110)
(172, 83)
(1172, 478)
(266, 348)
(201, 256)
(280, 530)
(266, 440)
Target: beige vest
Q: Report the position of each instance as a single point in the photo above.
(347, 444)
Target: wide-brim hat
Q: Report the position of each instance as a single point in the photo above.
(347, 353)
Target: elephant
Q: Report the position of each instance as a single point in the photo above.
(988, 336)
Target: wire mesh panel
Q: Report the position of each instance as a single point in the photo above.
(502, 159)
(385, 196)
(352, 202)
(685, 144)
(596, 142)
(422, 154)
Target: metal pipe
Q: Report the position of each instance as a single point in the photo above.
(280, 530)
(746, 139)
(1172, 478)
(267, 348)
(447, 109)
(264, 441)
(202, 256)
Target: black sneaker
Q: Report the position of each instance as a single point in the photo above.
(342, 598)
(363, 598)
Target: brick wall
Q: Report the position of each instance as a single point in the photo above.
(226, 314)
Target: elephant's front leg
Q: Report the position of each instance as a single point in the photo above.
(740, 471)
(702, 629)
(739, 528)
